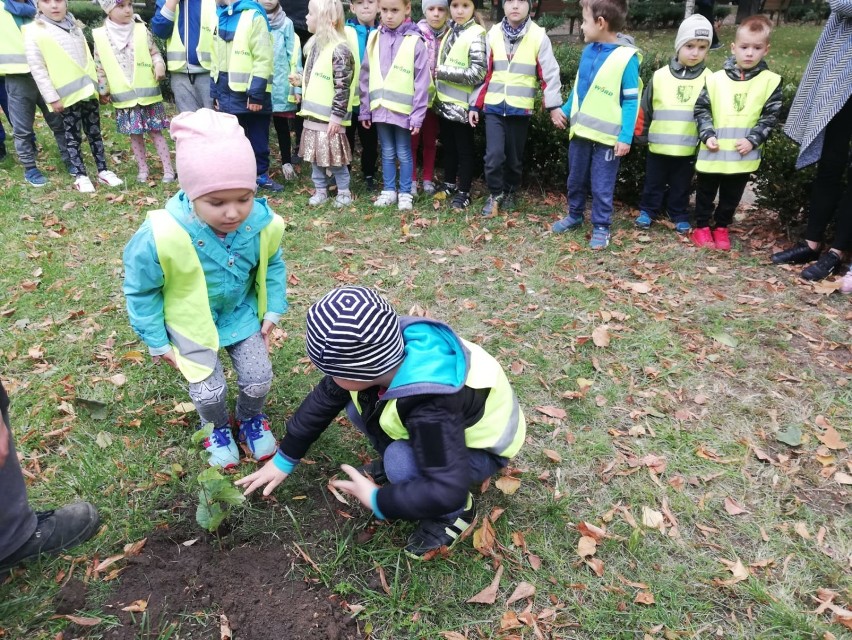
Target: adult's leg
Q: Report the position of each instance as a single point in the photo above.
(17, 520)
(654, 188)
(604, 171)
(254, 375)
(495, 152)
(705, 194)
(731, 189)
(516, 139)
(829, 197)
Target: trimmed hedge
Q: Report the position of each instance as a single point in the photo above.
(778, 186)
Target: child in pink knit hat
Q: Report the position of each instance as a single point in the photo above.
(208, 272)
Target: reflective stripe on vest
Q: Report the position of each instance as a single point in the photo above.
(318, 88)
(186, 307)
(176, 58)
(603, 99)
(144, 89)
(737, 106)
(457, 57)
(395, 91)
(12, 56)
(673, 131)
(501, 429)
(72, 82)
(352, 41)
(514, 82)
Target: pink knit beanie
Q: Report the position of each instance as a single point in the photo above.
(213, 153)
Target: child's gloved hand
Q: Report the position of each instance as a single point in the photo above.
(268, 475)
(359, 486)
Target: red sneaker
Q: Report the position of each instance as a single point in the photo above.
(703, 238)
(720, 237)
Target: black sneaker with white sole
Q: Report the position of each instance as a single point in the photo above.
(433, 533)
(461, 200)
(374, 469)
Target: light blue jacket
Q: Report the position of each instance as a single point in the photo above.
(229, 265)
(283, 42)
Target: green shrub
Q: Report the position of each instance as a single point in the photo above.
(778, 186)
(93, 16)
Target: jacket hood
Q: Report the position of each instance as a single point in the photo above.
(683, 72)
(735, 73)
(436, 361)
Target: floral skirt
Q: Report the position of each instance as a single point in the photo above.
(324, 150)
(136, 120)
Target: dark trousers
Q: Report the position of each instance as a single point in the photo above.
(669, 179)
(282, 130)
(730, 188)
(17, 520)
(505, 137)
(457, 144)
(830, 199)
(86, 115)
(256, 127)
(369, 146)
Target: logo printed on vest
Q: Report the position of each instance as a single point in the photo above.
(684, 92)
(603, 90)
(740, 101)
(402, 69)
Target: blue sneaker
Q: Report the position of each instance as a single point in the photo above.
(568, 223)
(222, 448)
(600, 237)
(683, 227)
(256, 434)
(644, 220)
(35, 177)
(265, 182)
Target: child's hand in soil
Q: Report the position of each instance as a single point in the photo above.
(359, 486)
(268, 475)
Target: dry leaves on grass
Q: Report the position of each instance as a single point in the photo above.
(600, 336)
(508, 484)
(489, 594)
(523, 590)
(739, 571)
(733, 507)
(829, 437)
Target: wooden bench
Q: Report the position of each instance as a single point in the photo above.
(776, 9)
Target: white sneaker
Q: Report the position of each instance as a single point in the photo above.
(83, 184)
(414, 188)
(343, 199)
(288, 171)
(320, 196)
(385, 199)
(428, 187)
(109, 178)
(405, 201)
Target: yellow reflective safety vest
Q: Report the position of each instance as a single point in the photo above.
(144, 89)
(72, 82)
(673, 131)
(395, 91)
(501, 429)
(318, 88)
(599, 117)
(186, 307)
(459, 57)
(737, 105)
(240, 58)
(514, 82)
(176, 58)
(12, 56)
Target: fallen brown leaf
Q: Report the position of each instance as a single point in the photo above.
(644, 597)
(553, 412)
(733, 507)
(587, 546)
(508, 484)
(523, 590)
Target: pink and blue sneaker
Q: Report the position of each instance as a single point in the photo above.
(257, 436)
(222, 449)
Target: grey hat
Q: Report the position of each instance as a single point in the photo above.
(427, 4)
(354, 333)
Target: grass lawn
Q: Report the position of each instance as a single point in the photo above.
(686, 472)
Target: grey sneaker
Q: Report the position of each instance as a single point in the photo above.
(320, 196)
(492, 206)
(429, 187)
(343, 199)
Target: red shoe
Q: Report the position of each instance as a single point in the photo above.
(703, 238)
(720, 237)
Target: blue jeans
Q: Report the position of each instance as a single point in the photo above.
(396, 145)
(591, 165)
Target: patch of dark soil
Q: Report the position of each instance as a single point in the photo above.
(71, 598)
(256, 588)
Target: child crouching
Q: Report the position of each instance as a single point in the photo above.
(207, 272)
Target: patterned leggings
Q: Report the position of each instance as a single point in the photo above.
(137, 145)
(254, 379)
(85, 114)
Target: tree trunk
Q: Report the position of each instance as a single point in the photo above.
(747, 8)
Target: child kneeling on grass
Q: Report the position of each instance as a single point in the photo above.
(439, 409)
(207, 272)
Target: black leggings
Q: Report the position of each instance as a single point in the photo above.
(830, 199)
(85, 114)
(457, 145)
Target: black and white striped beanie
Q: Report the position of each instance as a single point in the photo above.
(353, 333)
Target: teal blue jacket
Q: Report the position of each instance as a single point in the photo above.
(229, 265)
(283, 43)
